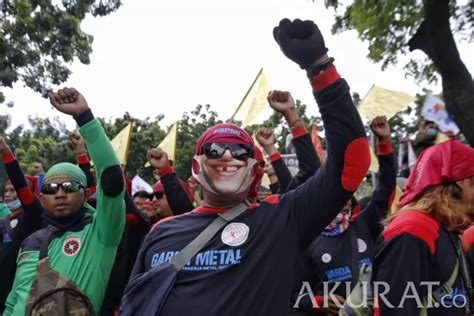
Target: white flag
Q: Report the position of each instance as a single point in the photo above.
(138, 184)
(434, 110)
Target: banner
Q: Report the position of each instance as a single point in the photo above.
(380, 101)
(168, 144)
(138, 184)
(291, 162)
(121, 143)
(254, 101)
(434, 110)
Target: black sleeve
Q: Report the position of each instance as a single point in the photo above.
(274, 187)
(312, 205)
(176, 195)
(378, 205)
(31, 219)
(282, 173)
(308, 160)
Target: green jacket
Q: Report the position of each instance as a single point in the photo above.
(86, 256)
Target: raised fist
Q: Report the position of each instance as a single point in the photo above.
(157, 158)
(265, 137)
(69, 101)
(281, 101)
(78, 142)
(380, 128)
(300, 41)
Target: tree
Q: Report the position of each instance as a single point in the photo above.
(395, 27)
(38, 39)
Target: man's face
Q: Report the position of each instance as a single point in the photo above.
(10, 194)
(225, 174)
(160, 203)
(61, 203)
(38, 168)
(138, 201)
(262, 195)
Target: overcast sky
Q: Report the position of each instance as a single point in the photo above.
(153, 57)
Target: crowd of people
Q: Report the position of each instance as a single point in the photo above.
(75, 241)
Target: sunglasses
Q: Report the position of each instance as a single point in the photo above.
(68, 187)
(217, 150)
(158, 194)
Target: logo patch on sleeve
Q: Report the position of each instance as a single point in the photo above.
(235, 234)
(71, 246)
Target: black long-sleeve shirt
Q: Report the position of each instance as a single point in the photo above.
(330, 257)
(415, 248)
(16, 227)
(177, 197)
(246, 268)
(308, 161)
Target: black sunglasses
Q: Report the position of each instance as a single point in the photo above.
(158, 194)
(68, 187)
(217, 150)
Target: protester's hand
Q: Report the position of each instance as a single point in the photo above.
(69, 101)
(332, 309)
(380, 128)
(281, 101)
(300, 41)
(157, 158)
(4, 149)
(265, 137)
(78, 142)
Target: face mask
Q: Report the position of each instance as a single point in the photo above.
(338, 225)
(14, 205)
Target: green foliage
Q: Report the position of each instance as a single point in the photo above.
(39, 39)
(388, 25)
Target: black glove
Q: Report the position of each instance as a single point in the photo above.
(300, 41)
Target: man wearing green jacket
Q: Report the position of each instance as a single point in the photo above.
(81, 242)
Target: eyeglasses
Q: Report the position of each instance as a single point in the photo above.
(158, 194)
(217, 150)
(68, 187)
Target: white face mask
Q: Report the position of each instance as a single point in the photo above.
(215, 178)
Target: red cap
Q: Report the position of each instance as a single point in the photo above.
(446, 162)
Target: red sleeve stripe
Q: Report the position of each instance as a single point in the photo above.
(299, 131)
(325, 79)
(384, 148)
(82, 159)
(165, 170)
(8, 157)
(276, 156)
(26, 196)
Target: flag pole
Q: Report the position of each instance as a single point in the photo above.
(246, 94)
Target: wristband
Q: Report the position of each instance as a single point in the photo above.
(315, 70)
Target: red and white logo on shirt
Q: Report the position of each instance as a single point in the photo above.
(71, 246)
(235, 234)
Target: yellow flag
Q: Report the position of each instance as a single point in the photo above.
(396, 199)
(441, 137)
(374, 162)
(168, 144)
(380, 101)
(121, 143)
(254, 101)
